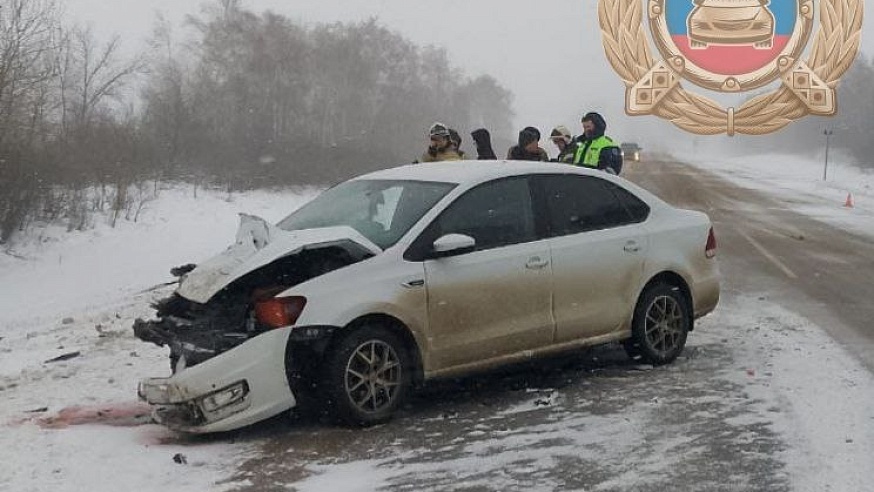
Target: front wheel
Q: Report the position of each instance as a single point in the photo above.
(367, 376)
(662, 319)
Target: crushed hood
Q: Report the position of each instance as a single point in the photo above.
(260, 243)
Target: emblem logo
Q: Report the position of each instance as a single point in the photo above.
(731, 46)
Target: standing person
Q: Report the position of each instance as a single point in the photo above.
(528, 148)
(598, 150)
(440, 146)
(562, 139)
(455, 143)
(483, 140)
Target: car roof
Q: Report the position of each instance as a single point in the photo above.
(472, 172)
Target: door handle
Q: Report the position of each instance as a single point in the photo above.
(536, 263)
(632, 247)
(413, 283)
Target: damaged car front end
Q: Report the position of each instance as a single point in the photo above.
(228, 331)
(235, 389)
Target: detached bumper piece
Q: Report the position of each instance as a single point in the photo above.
(175, 411)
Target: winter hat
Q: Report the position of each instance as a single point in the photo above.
(561, 132)
(527, 135)
(438, 130)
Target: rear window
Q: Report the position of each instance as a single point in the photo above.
(576, 204)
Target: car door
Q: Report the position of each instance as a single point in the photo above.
(495, 300)
(598, 248)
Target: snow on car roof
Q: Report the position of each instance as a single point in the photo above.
(472, 171)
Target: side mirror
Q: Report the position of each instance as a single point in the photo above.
(452, 245)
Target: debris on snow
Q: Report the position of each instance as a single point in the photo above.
(182, 270)
(180, 458)
(67, 356)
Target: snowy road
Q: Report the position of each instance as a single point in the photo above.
(774, 392)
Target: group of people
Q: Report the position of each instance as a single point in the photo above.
(591, 149)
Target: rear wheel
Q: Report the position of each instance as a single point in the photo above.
(367, 375)
(662, 319)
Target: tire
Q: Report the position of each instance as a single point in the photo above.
(662, 320)
(367, 376)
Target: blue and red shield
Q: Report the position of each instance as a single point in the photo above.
(732, 37)
(731, 44)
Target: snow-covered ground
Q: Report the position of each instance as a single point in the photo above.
(75, 424)
(798, 181)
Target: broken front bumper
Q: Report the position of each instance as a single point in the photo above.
(237, 388)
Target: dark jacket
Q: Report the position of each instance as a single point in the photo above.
(517, 153)
(483, 141)
(567, 155)
(528, 135)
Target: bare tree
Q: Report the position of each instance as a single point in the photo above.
(26, 44)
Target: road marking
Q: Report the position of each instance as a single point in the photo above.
(773, 259)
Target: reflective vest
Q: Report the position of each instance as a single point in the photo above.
(589, 153)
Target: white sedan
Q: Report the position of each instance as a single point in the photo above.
(426, 271)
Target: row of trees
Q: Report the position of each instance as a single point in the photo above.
(238, 99)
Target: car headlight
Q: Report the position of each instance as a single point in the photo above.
(154, 391)
(225, 397)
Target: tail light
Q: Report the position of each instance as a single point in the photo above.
(279, 311)
(710, 249)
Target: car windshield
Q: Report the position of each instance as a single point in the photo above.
(381, 210)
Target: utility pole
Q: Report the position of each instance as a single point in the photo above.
(828, 134)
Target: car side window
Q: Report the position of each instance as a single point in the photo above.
(576, 204)
(495, 214)
(636, 208)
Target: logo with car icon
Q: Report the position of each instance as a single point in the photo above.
(731, 46)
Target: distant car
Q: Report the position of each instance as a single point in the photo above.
(421, 272)
(731, 22)
(630, 151)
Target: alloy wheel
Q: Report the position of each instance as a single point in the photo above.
(373, 376)
(664, 327)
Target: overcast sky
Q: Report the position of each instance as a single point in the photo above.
(549, 54)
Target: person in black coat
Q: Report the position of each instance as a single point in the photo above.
(529, 147)
(483, 141)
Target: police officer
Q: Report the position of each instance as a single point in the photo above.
(597, 150)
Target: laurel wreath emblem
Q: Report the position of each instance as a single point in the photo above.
(833, 52)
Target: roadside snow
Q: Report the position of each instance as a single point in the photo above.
(797, 182)
(75, 424)
(812, 392)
